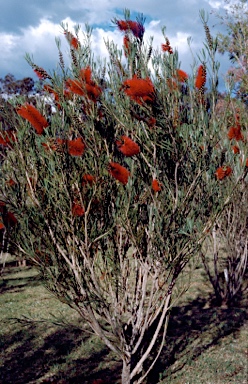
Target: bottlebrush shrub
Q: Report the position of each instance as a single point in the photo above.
(113, 245)
(228, 243)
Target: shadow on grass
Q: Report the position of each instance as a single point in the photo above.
(192, 330)
(33, 354)
(16, 284)
(51, 362)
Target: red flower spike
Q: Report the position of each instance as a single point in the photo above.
(151, 122)
(50, 90)
(77, 209)
(127, 146)
(88, 179)
(235, 133)
(126, 44)
(181, 76)
(228, 171)
(85, 86)
(93, 92)
(139, 89)
(76, 147)
(30, 113)
(75, 86)
(223, 172)
(167, 47)
(135, 27)
(2, 226)
(235, 149)
(200, 80)
(7, 138)
(40, 73)
(85, 75)
(2, 207)
(73, 41)
(119, 172)
(60, 141)
(10, 182)
(220, 173)
(11, 219)
(156, 185)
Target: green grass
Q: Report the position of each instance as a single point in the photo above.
(44, 341)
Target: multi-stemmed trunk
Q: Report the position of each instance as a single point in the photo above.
(133, 371)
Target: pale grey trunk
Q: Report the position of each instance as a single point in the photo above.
(126, 370)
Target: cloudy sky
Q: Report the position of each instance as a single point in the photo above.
(32, 25)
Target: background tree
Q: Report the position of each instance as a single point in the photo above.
(113, 197)
(235, 42)
(226, 264)
(227, 248)
(11, 86)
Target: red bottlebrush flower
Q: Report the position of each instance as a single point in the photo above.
(127, 146)
(201, 76)
(75, 86)
(30, 113)
(85, 75)
(11, 219)
(135, 27)
(77, 209)
(60, 141)
(151, 122)
(50, 90)
(41, 73)
(119, 172)
(85, 86)
(228, 171)
(92, 89)
(7, 138)
(73, 41)
(167, 47)
(10, 182)
(93, 92)
(67, 93)
(88, 179)
(2, 226)
(220, 173)
(2, 207)
(126, 44)
(235, 133)
(76, 147)
(139, 89)
(181, 76)
(235, 149)
(223, 172)
(156, 185)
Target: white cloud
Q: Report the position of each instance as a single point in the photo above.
(37, 31)
(216, 4)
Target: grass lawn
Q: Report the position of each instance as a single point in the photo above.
(44, 341)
